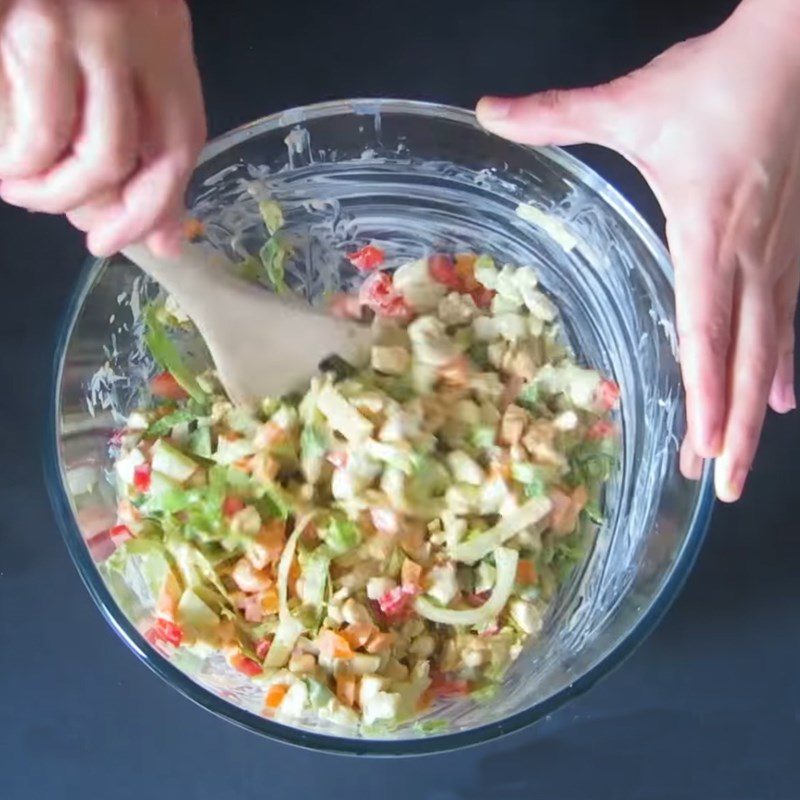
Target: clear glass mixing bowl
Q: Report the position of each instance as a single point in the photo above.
(418, 176)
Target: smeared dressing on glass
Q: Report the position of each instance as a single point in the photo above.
(337, 198)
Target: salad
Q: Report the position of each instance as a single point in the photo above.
(393, 535)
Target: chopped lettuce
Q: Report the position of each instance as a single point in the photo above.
(165, 352)
(273, 256)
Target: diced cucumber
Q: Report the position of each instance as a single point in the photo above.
(169, 461)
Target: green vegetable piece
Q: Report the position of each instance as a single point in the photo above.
(164, 351)
(274, 502)
(313, 442)
(273, 256)
(528, 397)
(342, 535)
(432, 726)
(249, 269)
(319, 695)
(272, 215)
(200, 442)
(161, 427)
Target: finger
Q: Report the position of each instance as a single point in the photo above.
(104, 153)
(691, 465)
(173, 134)
(557, 116)
(41, 80)
(98, 211)
(782, 394)
(167, 238)
(704, 296)
(752, 366)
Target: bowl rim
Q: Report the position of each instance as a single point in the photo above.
(424, 745)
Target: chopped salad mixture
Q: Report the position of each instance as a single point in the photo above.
(392, 536)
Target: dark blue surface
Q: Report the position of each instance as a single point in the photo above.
(708, 707)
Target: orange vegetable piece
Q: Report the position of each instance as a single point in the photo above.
(347, 689)
(526, 572)
(380, 642)
(269, 601)
(332, 645)
(358, 634)
(269, 435)
(456, 372)
(465, 270)
(193, 228)
(411, 574)
(274, 697)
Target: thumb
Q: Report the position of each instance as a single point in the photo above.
(557, 116)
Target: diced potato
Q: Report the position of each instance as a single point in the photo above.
(512, 424)
(464, 468)
(391, 360)
(457, 309)
(442, 583)
(526, 615)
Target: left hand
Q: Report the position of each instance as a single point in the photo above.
(714, 126)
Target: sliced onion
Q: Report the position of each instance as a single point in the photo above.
(289, 628)
(506, 562)
(528, 514)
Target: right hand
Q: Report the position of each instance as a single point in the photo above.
(102, 115)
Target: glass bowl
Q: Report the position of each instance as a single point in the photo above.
(417, 177)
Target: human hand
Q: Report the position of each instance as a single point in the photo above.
(714, 126)
(102, 115)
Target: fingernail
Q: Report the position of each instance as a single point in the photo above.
(733, 486)
(491, 109)
(787, 396)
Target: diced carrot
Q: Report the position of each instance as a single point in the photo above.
(193, 228)
(332, 645)
(380, 642)
(347, 689)
(269, 435)
(526, 572)
(294, 574)
(272, 537)
(456, 372)
(465, 271)
(269, 601)
(566, 508)
(412, 536)
(274, 697)
(358, 634)
(411, 574)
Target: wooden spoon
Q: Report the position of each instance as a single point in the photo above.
(262, 345)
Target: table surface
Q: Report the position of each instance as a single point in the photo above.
(708, 707)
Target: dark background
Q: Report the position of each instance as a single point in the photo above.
(708, 707)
